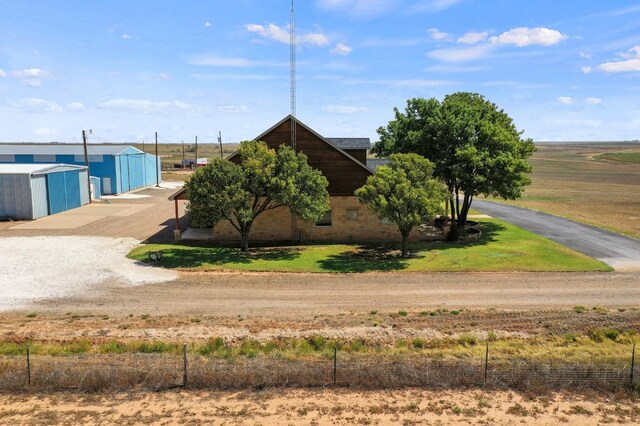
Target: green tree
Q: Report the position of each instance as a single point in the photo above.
(404, 193)
(265, 179)
(475, 147)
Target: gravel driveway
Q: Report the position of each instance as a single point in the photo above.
(36, 268)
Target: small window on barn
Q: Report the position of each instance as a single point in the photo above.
(352, 214)
(325, 221)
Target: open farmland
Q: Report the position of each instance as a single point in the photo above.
(595, 183)
(171, 153)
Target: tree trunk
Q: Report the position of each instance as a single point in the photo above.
(244, 237)
(405, 243)
(466, 205)
(458, 204)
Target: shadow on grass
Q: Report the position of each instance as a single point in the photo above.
(489, 229)
(198, 256)
(366, 259)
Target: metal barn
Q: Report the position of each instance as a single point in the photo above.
(30, 191)
(121, 168)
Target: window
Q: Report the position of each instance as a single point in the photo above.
(352, 214)
(325, 221)
(92, 158)
(7, 158)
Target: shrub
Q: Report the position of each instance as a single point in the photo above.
(418, 343)
(579, 309)
(601, 334)
(467, 340)
(403, 313)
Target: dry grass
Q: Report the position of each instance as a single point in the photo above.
(575, 181)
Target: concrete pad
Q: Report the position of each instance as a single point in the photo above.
(59, 221)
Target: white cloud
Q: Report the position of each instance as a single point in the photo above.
(143, 106)
(281, 34)
(36, 105)
(342, 109)
(125, 37)
(436, 34)
(2, 73)
(473, 37)
(207, 24)
(459, 54)
(585, 55)
(31, 76)
(524, 36)
(565, 100)
(341, 49)
(632, 64)
(593, 101)
(586, 70)
(76, 107)
(232, 109)
(45, 131)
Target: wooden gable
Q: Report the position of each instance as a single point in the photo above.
(344, 173)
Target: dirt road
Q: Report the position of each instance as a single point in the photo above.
(231, 294)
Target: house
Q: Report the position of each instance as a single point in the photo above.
(31, 191)
(120, 168)
(343, 161)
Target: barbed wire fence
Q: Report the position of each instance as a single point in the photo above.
(107, 372)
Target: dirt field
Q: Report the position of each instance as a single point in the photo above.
(322, 407)
(569, 181)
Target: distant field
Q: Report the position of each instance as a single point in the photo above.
(580, 181)
(172, 153)
(627, 157)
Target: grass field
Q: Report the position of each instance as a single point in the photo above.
(503, 247)
(172, 153)
(627, 157)
(591, 183)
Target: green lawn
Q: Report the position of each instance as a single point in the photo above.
(627, 157)
(503, 247)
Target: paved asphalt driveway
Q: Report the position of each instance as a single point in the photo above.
(619, 251)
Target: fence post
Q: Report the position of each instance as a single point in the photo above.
(28, 366)
(335, 363)
(185, 379)
(486, 363)
(633, 364)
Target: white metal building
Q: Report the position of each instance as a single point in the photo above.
(30, 191)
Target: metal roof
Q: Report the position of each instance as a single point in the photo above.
(35, 169)
(350, 143)
(61, 149)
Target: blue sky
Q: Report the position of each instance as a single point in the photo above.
(564, 70)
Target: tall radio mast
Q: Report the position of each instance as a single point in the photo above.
(293, 75)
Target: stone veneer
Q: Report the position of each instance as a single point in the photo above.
(276, 225)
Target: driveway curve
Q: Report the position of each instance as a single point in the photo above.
(619, 251)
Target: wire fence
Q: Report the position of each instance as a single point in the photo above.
(109, 372)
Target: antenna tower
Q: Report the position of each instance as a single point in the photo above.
(293, 75)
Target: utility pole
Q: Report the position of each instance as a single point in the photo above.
(182, 165)
(293, 43)
(86, 162)
(157, 166)
(143, 145)
(220, 142)
(195, 165)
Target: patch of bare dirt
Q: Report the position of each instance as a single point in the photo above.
(321, 407)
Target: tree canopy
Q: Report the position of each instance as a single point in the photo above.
(403, 192)
(264, 179)
(475, 147)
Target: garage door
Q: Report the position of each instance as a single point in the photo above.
(64, 191)
(56, 190)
